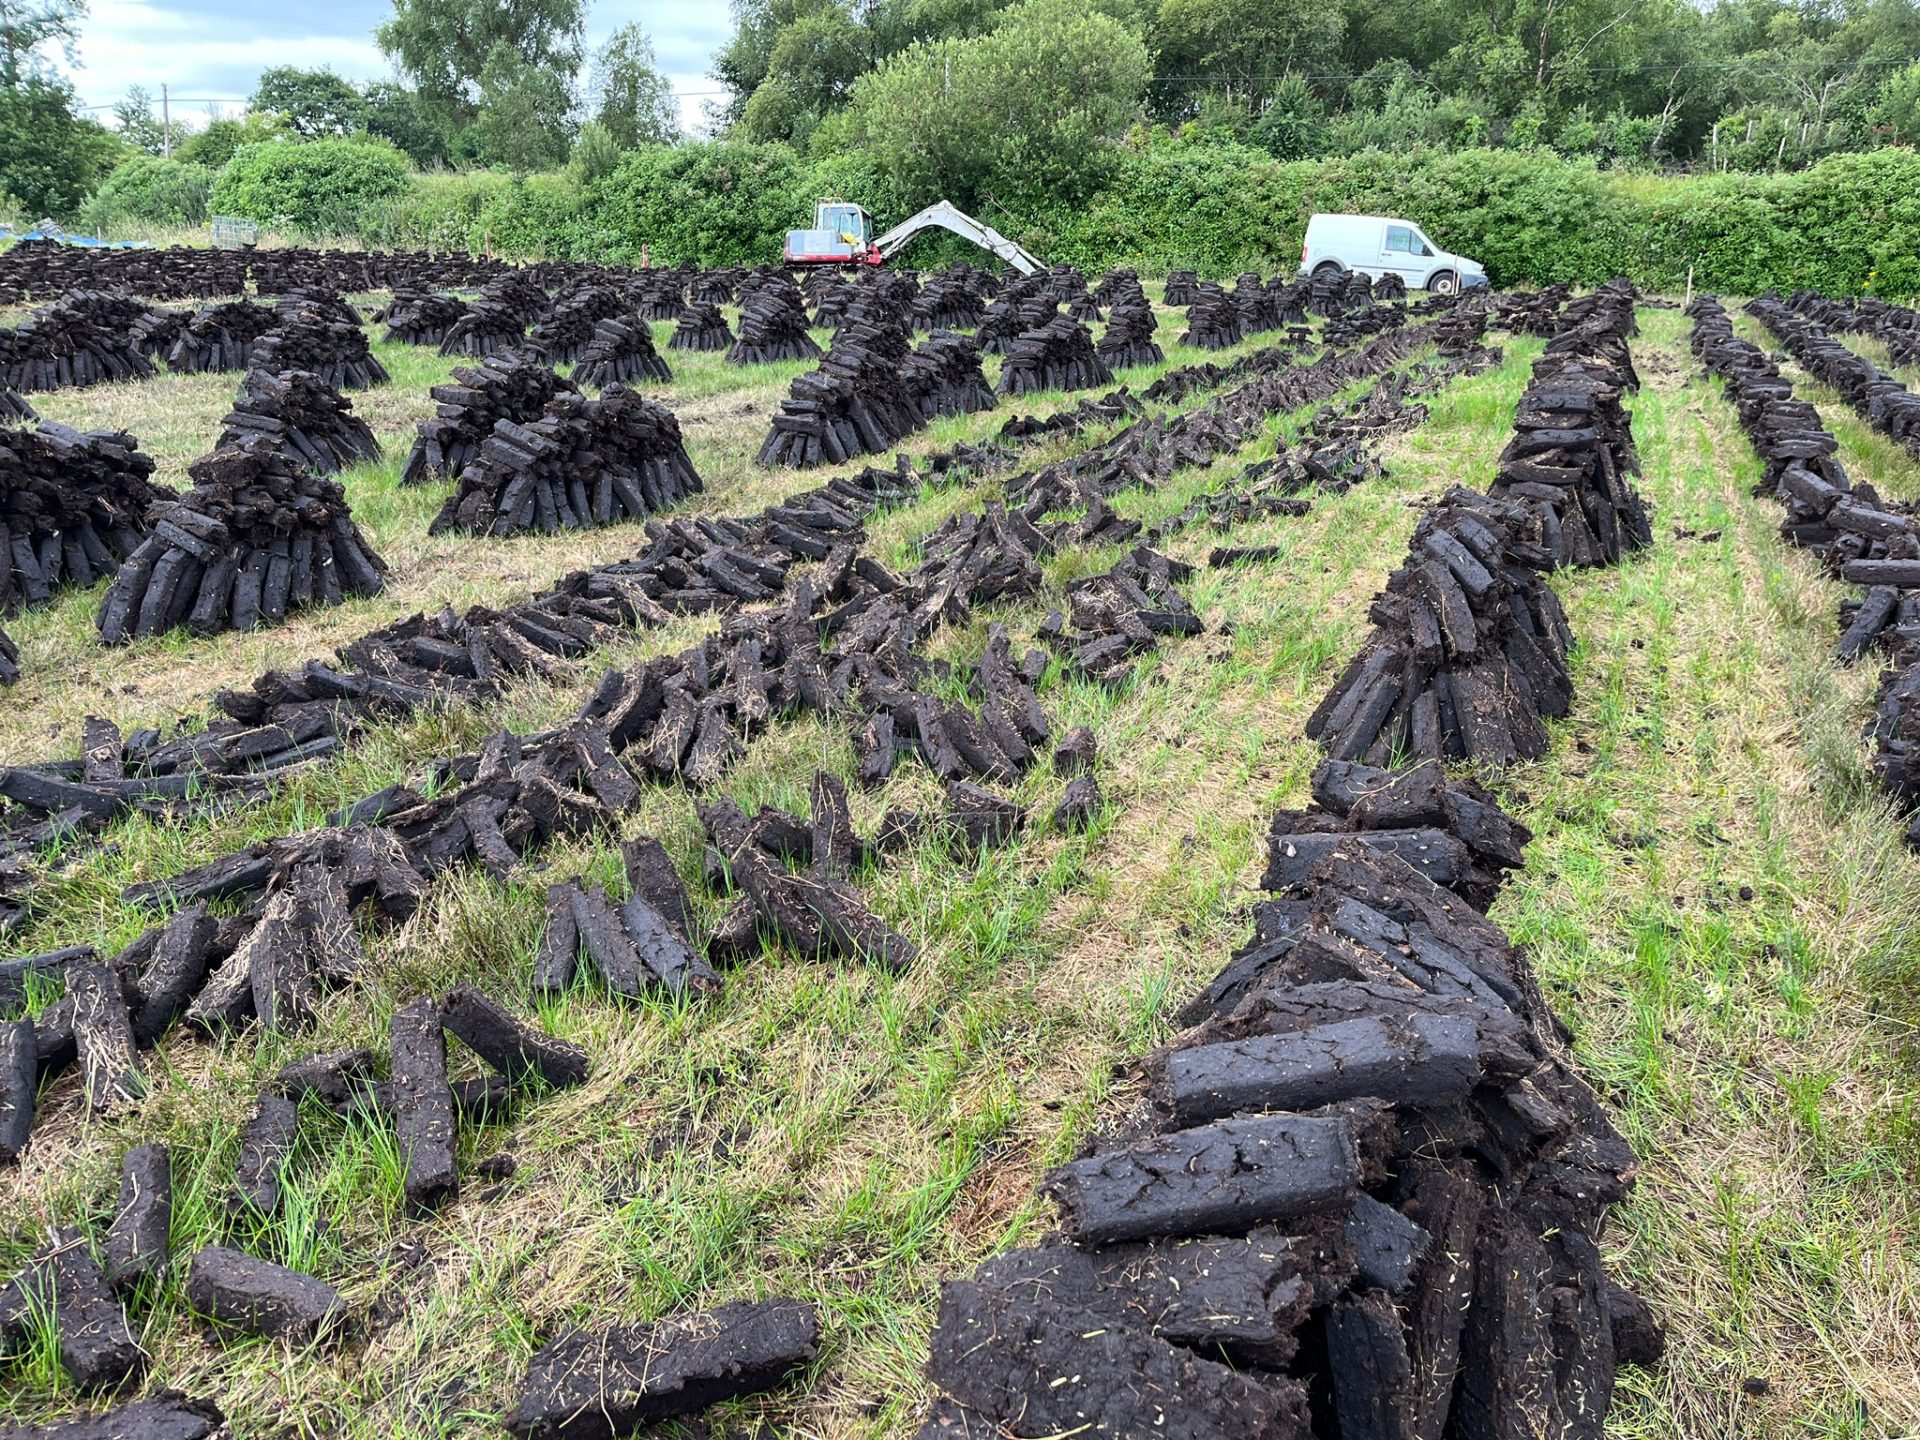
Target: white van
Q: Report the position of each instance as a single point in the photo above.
(1377, 244)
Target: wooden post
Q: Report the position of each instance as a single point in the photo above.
(1689, 299)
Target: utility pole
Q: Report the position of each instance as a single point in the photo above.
(166, 123)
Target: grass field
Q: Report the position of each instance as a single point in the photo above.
(1719, 905)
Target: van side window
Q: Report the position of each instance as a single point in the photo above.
(1400, 240)
(1421, 247)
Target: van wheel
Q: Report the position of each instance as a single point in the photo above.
(1445, 283)
(1329, 267)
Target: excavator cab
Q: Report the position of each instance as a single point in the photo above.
(842, 234)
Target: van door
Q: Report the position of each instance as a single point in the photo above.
(1406, 254)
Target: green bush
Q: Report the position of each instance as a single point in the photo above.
(1531, 217)
(708, 203)
(146, 190)
(322, 189)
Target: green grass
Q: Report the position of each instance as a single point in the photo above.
(830, 1132)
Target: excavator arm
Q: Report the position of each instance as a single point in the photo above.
(962, 224)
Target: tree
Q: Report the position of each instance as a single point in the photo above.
(139, 126)
(393, 113)
(447, 46)
(214, 145)
(811, 69)
(315, 103)
(632, 100)
(524, 116)
(50, 157)
(28, 25)
(1243, 47)
(1022, 110)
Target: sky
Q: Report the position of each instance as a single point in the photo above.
(211, 50)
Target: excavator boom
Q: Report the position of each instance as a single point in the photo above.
(944, 215)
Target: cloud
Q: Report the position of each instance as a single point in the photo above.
(212, 51)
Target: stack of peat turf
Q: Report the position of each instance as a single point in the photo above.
(1468, 654)
(620, 353)
(255, 539)
(663, 295)
(1390, 286)
(1183, 287)
(950, 300)
(856, 403)
(72, 507)
(487, 328)
(714, 287)
(219, 338)
(303, 417)
(324, 345)
(328, 304)
(1363, 1195)
(1059, 355)
(563, 332)
(1327, 291)
(421, 317)
(1213, 320)
(773, 326)
(1013, 313)
(828, 296)
(583, 464)
(945, 377)
(84, 338)
(1289, 299)
(1572, 455)
(155, 331)
(507, 387)
(1128, 340)
(9, 659)
(1254, 305)
(14, 409)
(701, 327)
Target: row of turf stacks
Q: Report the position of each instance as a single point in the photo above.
(257, 538)
(1877, 397)
(1856, 534)
(1361, 1195)
(1572, 457)
(289, 718)
(510, 387)
(583, 464)
(1468, 654)
(1897, 327)
(44, 272)
(490, 810)
(84, 338)
(73, 507)
(303, 417)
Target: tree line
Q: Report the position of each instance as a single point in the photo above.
(1017, 104)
